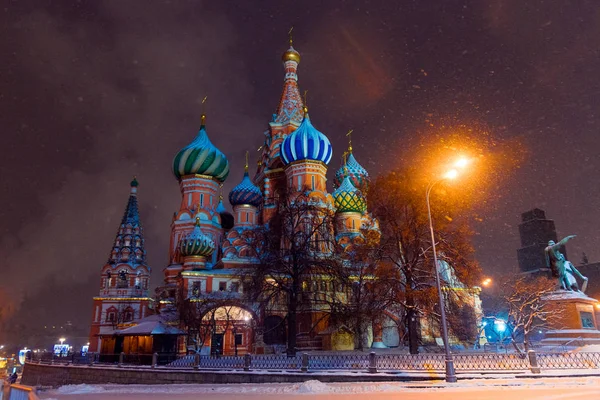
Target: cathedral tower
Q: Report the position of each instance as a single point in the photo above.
(200, 168)
(123, 297)
(288, 117)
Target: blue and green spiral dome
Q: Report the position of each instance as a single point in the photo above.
(201, 157)
(347, 198)
(357, 174)
(246, 192)
(196, 243)
(306, 143)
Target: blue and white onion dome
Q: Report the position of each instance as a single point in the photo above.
(201, 157)
(306, 143)
(196, 243)
(347, 198)
(246, 192)
(357, 174)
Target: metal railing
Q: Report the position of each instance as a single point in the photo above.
(371, 362)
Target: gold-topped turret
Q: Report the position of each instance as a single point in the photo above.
(291, 54)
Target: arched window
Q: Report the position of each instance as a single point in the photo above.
(123, 280)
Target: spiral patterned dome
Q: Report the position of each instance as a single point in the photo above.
(358, 175)
(306, 143)
(196, 243)
(245, 193)
(347, 198)
(201, 157)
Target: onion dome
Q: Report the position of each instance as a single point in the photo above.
(201, 157)
(357, 174)
(246, 192)
(291, 55)
(196, 243)
(347, 198)
(306, 143)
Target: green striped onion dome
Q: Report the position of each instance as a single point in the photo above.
(347, 198)
(196, 243)
(358, 175)
(201, 157)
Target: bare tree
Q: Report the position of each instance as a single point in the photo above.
(296, 253)
(368, 287)
(398, 203)
(528, 308)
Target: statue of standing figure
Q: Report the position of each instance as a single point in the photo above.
(563, 269)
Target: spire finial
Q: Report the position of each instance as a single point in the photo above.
(133, 186)
(305, 102)
(246, 165)
(290, 35)
(345, 159)
(349, 134)
(197, 222)
(202, 111)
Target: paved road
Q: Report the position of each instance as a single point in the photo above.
(547, 389)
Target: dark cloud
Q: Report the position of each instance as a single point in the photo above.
(92, 93)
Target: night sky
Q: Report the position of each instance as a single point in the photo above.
(92, 93)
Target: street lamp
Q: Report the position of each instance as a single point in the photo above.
(451, 174)
(62, 340)
(487, 282)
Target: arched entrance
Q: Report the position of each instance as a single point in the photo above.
(226, 330)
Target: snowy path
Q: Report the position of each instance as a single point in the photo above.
(476, 389)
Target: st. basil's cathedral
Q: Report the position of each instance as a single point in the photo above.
(209, 247)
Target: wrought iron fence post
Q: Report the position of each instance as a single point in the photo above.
(91, 359)
(304, 367)
(196, 361)
(247, 362)
(533, 364)
(121, 356)
(52, 358)
(372, 362)
(154, 360)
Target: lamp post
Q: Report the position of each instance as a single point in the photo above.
(453, 173)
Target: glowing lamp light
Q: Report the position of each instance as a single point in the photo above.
(598, 306)
(500, 325)
(462, 162)
(452, 174)
(487, 282)
(62, 340)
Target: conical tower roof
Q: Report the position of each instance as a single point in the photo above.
(128, 246)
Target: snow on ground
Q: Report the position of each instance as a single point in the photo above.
(547, 388)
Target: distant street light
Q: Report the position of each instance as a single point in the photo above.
(487, 282)
(451, 174)
(62, 340)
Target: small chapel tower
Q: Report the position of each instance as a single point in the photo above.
(123, 297)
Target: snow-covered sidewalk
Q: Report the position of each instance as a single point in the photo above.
(465, 389)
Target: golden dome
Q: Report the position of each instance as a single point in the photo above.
(291, 55)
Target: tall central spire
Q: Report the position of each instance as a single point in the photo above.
(290, 105)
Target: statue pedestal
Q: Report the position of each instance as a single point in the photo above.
(577, 323)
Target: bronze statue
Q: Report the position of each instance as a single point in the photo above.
(563, 269)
